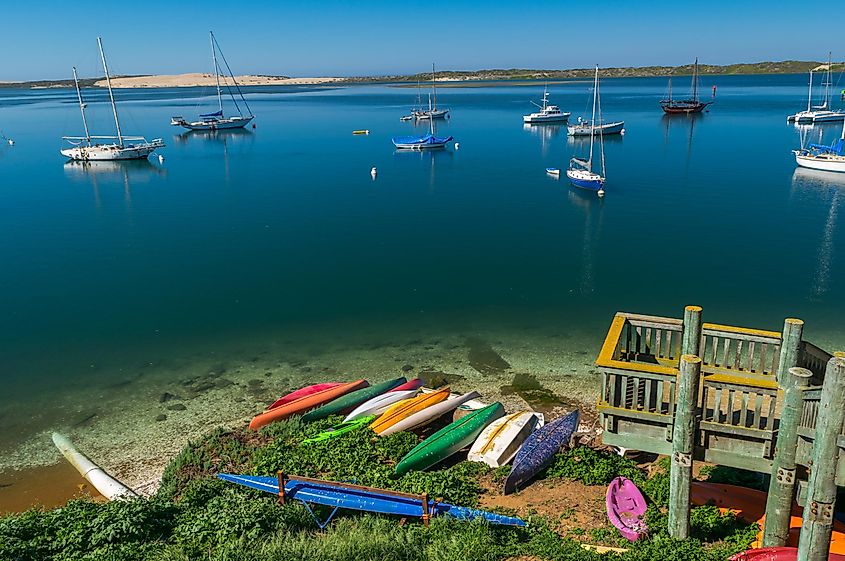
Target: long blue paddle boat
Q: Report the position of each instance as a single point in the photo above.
(310, 491)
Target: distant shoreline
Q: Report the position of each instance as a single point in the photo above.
(445, 77)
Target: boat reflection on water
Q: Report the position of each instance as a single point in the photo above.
(831, 184)
(683, 124)
(593, 209)
(103, 174)
(545, 132)
(426, 158)
(220, 136)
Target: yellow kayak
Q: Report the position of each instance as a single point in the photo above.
(406, 408)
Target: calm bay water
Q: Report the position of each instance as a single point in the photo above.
(280, 233)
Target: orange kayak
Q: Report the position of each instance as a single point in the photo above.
(304, 403)
(407, 407)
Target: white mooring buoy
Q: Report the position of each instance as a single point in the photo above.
(457, 146)
(160, 159)
(11, 142)
(373, 172)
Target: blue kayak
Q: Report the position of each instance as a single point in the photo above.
(354, 497)
(539, 450)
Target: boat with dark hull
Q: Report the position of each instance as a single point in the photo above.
(686, 106)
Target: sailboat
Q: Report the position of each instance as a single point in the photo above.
(432, 112)
(690, 105)
(88, 148)
(217, 120)
(823, 157)
(427, 142)
(580, 172)
(818, 113)
(548, 113)
(582, 127)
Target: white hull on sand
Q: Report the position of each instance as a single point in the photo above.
(502, 439)
(824, 162)
(429, 414)
(379, 404)
(107, 485)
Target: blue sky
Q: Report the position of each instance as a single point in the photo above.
(44, 38)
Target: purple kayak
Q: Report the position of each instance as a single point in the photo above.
(539, 449)
(626, 508)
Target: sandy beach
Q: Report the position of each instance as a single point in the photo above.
(197, 79)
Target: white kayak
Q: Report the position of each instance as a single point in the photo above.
(107, 485)
(500, 441)
(429, 414)
(379, 404)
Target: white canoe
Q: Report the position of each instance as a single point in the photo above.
(379, 404)
(429, 414)
(107, 485)
(500, 441)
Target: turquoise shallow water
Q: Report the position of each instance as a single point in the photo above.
(280, 234)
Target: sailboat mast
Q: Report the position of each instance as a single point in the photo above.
(810, 92)
(81, 106)
(593, 118)
(111, 94)
(216, 71)
(829, 80)
(695, 80)
(670, 90)
(434, 85)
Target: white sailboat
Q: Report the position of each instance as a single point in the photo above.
(548, 113)
(432, 112)
(582, 127)
(822, 157)
(90, 147)
(580, 172)
(819, 113)
(217, 120)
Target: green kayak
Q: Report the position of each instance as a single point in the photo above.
(449, 439)
(340, 429)
(351, 400)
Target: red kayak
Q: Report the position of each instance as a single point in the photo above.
(414, 384)
(302, 392)
(305, 403)
(776, 554)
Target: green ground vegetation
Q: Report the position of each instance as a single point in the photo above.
(196, 516)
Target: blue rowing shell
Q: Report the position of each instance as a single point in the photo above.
(539, 450)
(336, 495)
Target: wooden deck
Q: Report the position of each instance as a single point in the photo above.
(739, 398)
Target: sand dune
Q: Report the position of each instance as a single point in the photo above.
(198, 79)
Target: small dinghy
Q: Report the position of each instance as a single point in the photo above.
(626, 508)
(539, 450)
(553, 171)
(500, 441)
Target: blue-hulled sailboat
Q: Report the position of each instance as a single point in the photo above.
(427, 142)
(580, 172)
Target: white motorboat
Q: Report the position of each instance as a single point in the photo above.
(821, 113)
(585, 128)
(548, 113)
(120, 147)
(217, 120)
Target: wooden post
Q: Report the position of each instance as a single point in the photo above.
(814, 543)
(782, 483)
(683, 441)
(691, 340)
(790, 348)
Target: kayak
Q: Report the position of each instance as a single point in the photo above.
(107, 485)
(302, 392)
(429, 414)
(539, 450)
(776, 554)
(414, 384)
(379, 404)
(501, 440)
(305, 403)
(626, 508)
(351, 400)
(402, 409)
(367, 499)
(340, 429)
(449, 440)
